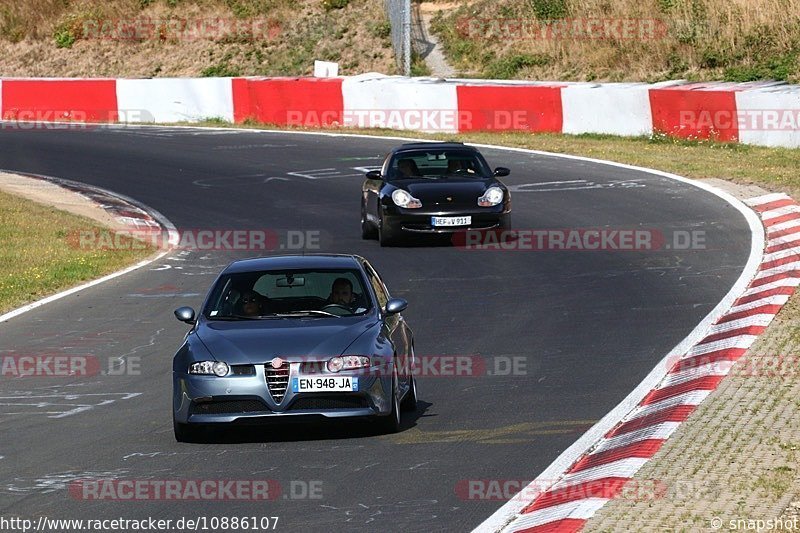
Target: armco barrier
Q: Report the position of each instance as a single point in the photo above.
(314, 102)
(400, 103)
(612, 108)
(682, 111)
(85, 100)
(175, 100)
(759, 113)
(534, 108)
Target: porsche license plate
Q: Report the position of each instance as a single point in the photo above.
(451, 221)
(326, 384)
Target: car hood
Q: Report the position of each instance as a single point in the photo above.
(259, 341)
(438, 190)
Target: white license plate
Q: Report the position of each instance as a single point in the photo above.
(325, 384)
(451, 221)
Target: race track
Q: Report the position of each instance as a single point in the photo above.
(588, 326)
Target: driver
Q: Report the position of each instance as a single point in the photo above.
(342, 292)
(252, 304)
(456, 165)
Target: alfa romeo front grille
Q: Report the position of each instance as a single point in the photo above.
(277, 381)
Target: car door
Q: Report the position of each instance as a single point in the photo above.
(395, 329)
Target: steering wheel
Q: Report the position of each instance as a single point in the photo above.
(337, 306)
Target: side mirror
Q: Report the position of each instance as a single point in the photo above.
(396, 305)
(185, 314)
(499, 172)
(374, 175)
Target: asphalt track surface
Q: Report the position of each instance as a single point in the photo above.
(588, 325)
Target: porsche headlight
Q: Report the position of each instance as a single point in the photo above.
(348, 362)
(492, 197)
(402, 198)
(210, 368)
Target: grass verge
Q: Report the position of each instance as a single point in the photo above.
(38, 256)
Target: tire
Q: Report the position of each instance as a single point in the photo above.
(385, 237)
(391, 422)
(186, 432)
(410, 401)
(367, 231)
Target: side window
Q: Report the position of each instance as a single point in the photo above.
(380, 292)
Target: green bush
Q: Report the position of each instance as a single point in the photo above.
(64, 38)
(220, 70)
(334, 4)
(382, 30)
(549, 9)
(508, 67)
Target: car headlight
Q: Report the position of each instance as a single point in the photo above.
(210, 368)
(347, 362)
(402, 198)
(492, 196)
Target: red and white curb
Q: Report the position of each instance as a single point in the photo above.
(601, 473)
(126, 211)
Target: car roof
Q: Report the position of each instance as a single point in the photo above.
(293, 261)
(434, 145)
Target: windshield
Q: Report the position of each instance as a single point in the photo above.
(438, 164)
(277, 294)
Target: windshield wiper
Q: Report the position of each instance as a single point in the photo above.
(243, 317)
(308, 312)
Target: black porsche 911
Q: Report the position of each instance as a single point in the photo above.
(433, 188)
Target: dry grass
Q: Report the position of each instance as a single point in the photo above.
(48, 38)
(738, 40)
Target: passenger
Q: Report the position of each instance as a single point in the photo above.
(407, 168)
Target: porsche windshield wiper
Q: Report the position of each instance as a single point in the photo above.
(308, 312)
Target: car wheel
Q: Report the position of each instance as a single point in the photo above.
(391, 423)
(385, 237)
(185, 432)
(367, 231)
(410, 401)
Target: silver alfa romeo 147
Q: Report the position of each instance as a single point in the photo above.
(301, 337)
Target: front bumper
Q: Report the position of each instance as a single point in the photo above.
(247, 399)
(419, 221)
